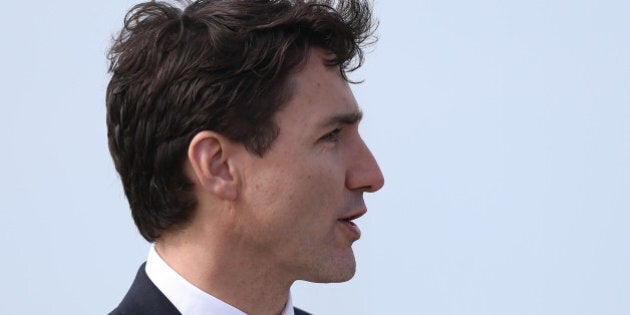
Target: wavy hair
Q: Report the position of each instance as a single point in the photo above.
(178, 69)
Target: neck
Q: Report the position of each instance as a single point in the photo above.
(226, 270)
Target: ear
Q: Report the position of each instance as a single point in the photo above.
(209, 157)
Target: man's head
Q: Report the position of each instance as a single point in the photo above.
(232, 69)
(296, 203)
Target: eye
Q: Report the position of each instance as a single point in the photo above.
(332, 136)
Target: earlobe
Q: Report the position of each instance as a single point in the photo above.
(209, 158)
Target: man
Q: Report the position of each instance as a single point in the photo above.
(235, 133)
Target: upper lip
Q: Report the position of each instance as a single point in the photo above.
(352, 215)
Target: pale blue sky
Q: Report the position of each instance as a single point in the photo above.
(502, 128)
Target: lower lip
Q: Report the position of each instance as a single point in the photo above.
(351, 228)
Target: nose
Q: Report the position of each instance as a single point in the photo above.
(363, 171)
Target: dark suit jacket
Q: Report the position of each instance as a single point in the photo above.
(144, 298)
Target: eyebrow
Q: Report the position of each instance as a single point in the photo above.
(343, 119)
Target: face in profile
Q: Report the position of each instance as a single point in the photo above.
(299, 198)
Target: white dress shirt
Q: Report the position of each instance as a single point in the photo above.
(187, 298)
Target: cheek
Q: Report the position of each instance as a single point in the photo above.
(297, 196)
(316, 198)
(307, 200)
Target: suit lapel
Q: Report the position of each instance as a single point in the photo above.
(145, 298)
(300, 312)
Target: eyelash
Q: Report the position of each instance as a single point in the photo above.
(332, 136)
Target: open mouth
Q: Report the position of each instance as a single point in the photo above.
(352, 216)
(352, 229)
(348, 221)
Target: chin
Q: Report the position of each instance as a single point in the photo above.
(338, 269)
(343, 277)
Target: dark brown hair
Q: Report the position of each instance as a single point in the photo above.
(211, 65)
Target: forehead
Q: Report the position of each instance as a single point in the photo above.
(319, 92)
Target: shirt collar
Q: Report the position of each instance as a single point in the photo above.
(187, 298)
